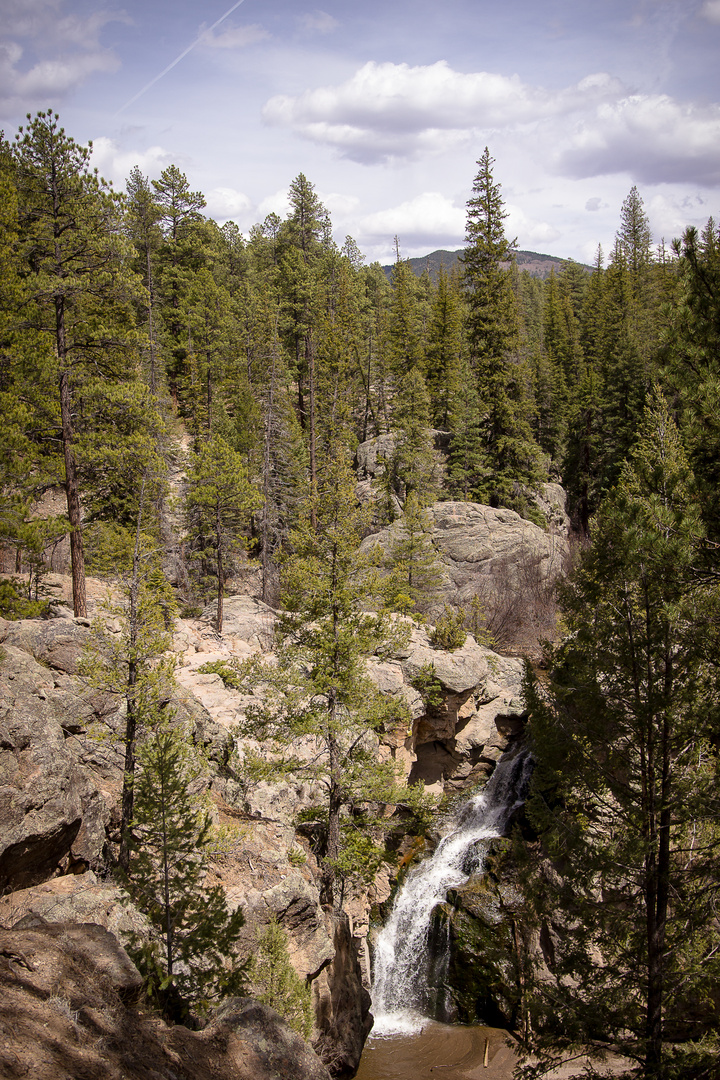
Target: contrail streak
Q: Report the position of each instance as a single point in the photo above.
(177, 59)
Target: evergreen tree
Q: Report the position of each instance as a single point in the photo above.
(142, 217)
(692, 360)
(468, 464)
(625, 795)
(134, 664)
(77, 290)
(512, 454)
(179, 206)
(413, 464)
(445, 347)
(413, 559)
(403, 332)
(277, 984)
(196, 962)
(634, 238)
(326, 702)
(180, 257)
(220, 502)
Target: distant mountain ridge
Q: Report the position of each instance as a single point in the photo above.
(536, 264)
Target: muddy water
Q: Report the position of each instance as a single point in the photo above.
(439, 1052)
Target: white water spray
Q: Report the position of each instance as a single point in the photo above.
(401, 959)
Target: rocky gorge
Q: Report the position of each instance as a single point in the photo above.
(59, 813)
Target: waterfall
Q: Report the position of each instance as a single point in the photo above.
(402, 963)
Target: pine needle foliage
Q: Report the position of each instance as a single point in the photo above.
(625, 795)
(193, 960)
(275, 981)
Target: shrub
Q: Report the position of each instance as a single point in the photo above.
(14, 604)
(227, 672)
(449, 633)
(428, 686)
(277, 984)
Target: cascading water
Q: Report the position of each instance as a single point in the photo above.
(402, 962)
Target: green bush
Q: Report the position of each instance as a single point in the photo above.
(227, 672)
(449, 633)
(14, 603)
(428, 686)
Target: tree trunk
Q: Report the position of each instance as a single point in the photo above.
(128, 789)
(72, 494)
(220, 569)
(151, 332)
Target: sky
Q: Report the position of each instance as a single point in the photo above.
(386, 105)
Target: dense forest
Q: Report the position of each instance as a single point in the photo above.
(129, 322)
(121, 313)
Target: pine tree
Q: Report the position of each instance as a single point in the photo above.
(142, 217)
(625, 795)
(179, 206)
(512, 454)
(134, 664)
(276, 983)
(691, 360)
(406, 352)
(413, 466)
(196, 962)
(445, 347)
(220, 502)
(413, 559)
(77, 289)
(325, 699)
(182, 254)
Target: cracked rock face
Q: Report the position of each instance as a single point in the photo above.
(494, 559)
(51, 813)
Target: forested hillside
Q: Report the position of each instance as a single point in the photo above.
(183, 405)
(280, 351)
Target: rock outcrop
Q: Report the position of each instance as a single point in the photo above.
(491, 561)
(69, 1006)
(60, 786)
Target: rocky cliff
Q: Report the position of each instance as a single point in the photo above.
(61, 771)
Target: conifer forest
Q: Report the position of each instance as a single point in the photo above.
(182, 407)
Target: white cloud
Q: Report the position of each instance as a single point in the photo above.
(339, 205)
(235, 37)
(63, 51)
(669, 214)
(387, 110)
(711, 10)
(595, 203)
(277, 203)
(651, 137)
(317, 22)
(115, 164)
(225, 204)
(427, 218)
(528, 231)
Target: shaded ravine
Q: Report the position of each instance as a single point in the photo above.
(403, 991)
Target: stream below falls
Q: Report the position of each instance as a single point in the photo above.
(439, 1052)
(406, 1042)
